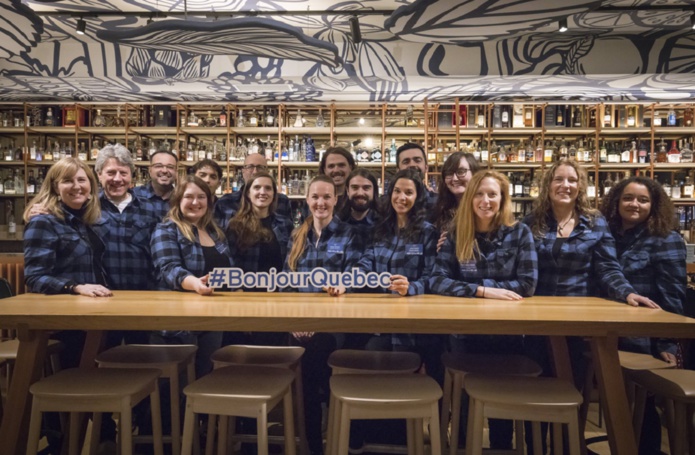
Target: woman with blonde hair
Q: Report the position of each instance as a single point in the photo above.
(63, 246)
(489, 255)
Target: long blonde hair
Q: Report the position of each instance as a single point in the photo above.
(207, 222)
(544, 206)
(464, 220)
(48, 195)
(299, 235)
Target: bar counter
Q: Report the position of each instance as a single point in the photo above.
(34, 315)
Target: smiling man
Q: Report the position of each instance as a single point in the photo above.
(162, 180)
(362, 193)
(413, 156)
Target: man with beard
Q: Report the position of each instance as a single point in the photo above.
(412, 156)
(162, 179)
(362, 193)
(337, 163)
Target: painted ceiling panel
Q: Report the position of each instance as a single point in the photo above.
(476, 49)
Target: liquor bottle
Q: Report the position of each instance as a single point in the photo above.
(253, 118)
(519, 187)
(563, 151)
(674, 155)
(572, 152)
(118, 121)
(686, 154)
(535, 188)
(548, 152)
(631, 118)
(505, 116)
(626, 154)
(676, 189)
(223, 119)
(688, 121)
(528, 116)
(671, 117)
(94, 152)
(526, 191)
(8, 184)
(311, 150)
(31, 183)
(592, 119)
(613, 154)
(497, 116)
(392, 151)
(223, 152)
(662, 155)
(484, 153)
(480, 121)
(240, 121)
(603, 153)
(99, 120)
(56, 151)
(32, 151)
(607, 185)
(560, 116)
(608, 117)
(688, 190)
(49, 121)
(657, 118)
(578, 117)
(642, 153)
(320, 122)
(668, 189)
(298, 120)
(591, 188)
(621, 117)
(550, 115)
(11, 224)
(82, 153)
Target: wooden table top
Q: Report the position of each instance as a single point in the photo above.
(239, 311)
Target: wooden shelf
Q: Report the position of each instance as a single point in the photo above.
(11, 130)
(154, 130)
(103, 131)
(673, 166)
(54, 130)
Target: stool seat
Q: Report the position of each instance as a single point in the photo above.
(522, 390)
(147, 355)
(96, 390)
(244, 391)
(633, 361)
(347, 361)
(278, 356)
(9, 348)
(670, 383)
(517, 365)
(379, 389)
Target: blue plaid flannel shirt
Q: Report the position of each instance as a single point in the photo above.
(57, 252)
(655, 266)
(127, 257)
(175, 257)
(146, 192)
(227, 206)
(338, 250)
(511, 263)
(587, 259)
(248, 260)
(412, 259)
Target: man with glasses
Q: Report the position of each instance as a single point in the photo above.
(162, 179)
(229, 204)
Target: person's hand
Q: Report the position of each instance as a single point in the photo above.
(497, 293)
(640, 300)
(399, 284)
(441, 240)
(334, 291)
(201, 287)
(93, 290)
(37, 209)
(668, 357)
(302, 336)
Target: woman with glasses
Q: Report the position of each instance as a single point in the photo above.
(185, 248)
(457, 171)
(487, 255)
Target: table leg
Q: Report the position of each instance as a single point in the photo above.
(621, 436)
(27, 370)
(93, 345)
(561, 358)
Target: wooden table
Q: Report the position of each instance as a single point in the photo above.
(600, 320)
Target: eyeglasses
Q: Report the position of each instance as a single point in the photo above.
(460, 173)
(159, 167)
(258, 167)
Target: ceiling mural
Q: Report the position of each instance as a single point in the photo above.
(304, 50)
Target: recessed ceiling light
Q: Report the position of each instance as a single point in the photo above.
(562, 25)
(81, 26)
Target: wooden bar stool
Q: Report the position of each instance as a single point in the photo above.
(522, 398)
(457, 366)
(8, 352)
(171, 360)
(243, 391)
(353, 361)
(678, 388)
(96, 390)
(273, 356)
(414, 397)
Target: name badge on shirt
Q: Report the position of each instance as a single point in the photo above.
(468, 266)
(335, 248)
(413, 249)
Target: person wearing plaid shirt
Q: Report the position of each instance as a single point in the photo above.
(161, 185)
(487, 255)
(228, 205)
(64, 247)
(185, 248)
(322, 240)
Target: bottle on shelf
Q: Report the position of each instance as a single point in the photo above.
(82, 152)
(8, 153)
(687, 154)
(688, 192)
(49, 120)
(642, 154)
(99, 120)
(119, 120)
(253, 118)
(591, 187)
(626, 154)
(607, 185)
(534, 190)
(688, 122)
(11, 223)
(31, 183)
(608, 117)
(298, 120)
(671, 117)
(674, 155)
(668, 189)
(8, 184)
(392, 151)
(662, 155)
(320, 122)
(676, 189)
(505, 116)
(657, 118)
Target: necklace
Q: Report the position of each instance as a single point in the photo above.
(561, 226)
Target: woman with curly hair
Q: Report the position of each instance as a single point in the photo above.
(652, 253)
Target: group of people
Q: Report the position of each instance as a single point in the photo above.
(461, 241)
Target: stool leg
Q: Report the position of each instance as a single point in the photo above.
(557, 438)
(330, 434)
(288, 411)
(670, 413)
(474, 438)
(519, 436)
(156, 407)
(638, 412)
(74, 438)
(126, 421)
(574, 435)
(678, 429)
(222, 433)
(300, 421)
(190, 378)
(210, 441)
(34, 427)
(188, 423)
(456, 397)
(689, 429)
(262, 429)
(446, 406)
(410, 436)
(96, 432)
(435, 436)
(419, 437)
(174, 390)
(344, 430)
(536, 434)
